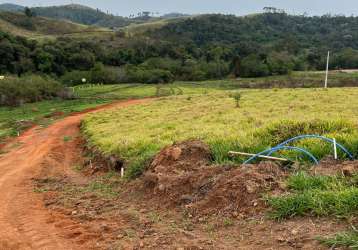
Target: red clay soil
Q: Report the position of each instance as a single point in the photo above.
(181, 175)
(24, 221)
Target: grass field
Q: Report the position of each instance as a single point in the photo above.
(264, 118)
(14, 120)
(92, 95)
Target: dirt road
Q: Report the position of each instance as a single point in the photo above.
(24, 222)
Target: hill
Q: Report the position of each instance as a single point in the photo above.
(89, 16)
(265, 30)
(37, 27)
(197, 47)
(82, 14)
(11, 7)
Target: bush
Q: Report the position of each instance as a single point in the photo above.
(16, 91)
(99, 74)
(143, 75)
(105, 75)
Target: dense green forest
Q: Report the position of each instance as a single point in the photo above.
(195, 48)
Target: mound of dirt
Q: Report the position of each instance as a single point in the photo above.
(330, 167)
(181, 175)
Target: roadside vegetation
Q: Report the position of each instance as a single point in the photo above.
(16, 91)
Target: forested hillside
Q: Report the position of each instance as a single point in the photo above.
(82, 14)
(270, 39)
(195, 48)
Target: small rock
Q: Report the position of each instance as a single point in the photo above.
(176, 152)
(280, 239)
(74, 212)
(201, 219)
(161, 187)
(141, 244)
(294, 232)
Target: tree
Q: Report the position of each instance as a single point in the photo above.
(84, 60)
(253, 66)
(279, 63)
(28, 12)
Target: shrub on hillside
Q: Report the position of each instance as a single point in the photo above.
(16, 91)
(143, 75)
(106, 75)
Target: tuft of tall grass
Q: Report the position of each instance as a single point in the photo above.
(347, 239)
(317, 202)
(317, 196)
(302, 181)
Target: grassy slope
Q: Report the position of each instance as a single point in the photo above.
(214, 118)
(135, 29)
(45, 28)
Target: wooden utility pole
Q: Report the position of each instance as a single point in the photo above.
(327, 69)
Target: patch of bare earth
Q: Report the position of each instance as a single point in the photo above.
(182, 202)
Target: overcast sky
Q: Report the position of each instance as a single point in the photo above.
(238, 7)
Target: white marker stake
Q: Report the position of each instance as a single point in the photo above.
(327, 69)
(122, 172)
(335, 149)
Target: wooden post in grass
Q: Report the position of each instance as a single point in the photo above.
(327, 69)
(232, 153)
